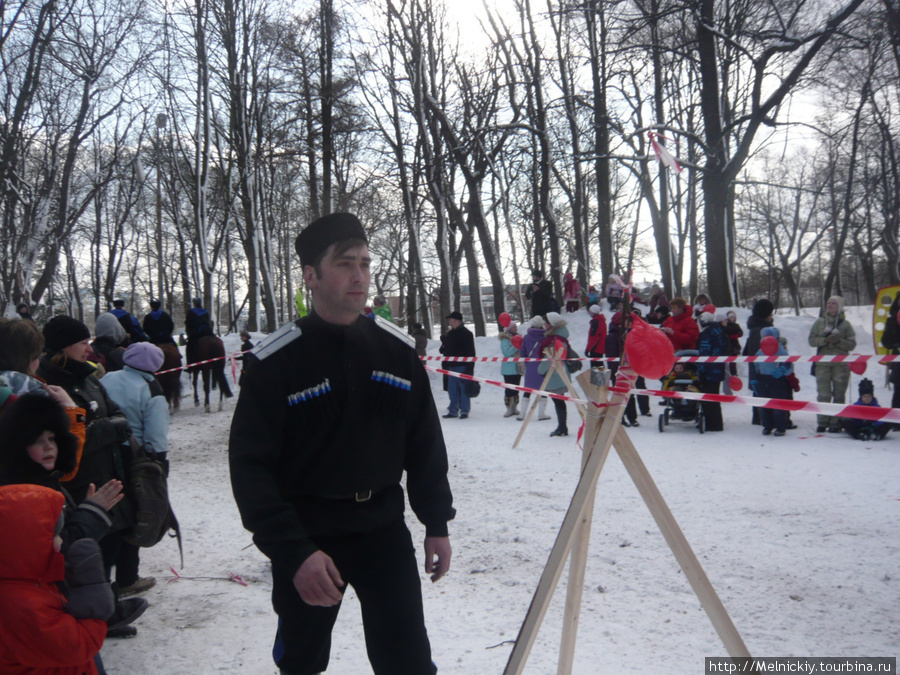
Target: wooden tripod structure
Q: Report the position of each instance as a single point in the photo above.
(603, 431)
(556, 366)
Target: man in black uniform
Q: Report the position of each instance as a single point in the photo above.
(158, 325)
(333, 409)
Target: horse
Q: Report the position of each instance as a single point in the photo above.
(207, 348)
(171, 382)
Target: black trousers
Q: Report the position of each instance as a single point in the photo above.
(561, 416)
(643, 402)
(712, 410)
(123, 556)
(512, 379)
(381, 567)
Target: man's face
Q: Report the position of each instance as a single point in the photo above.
(832, 307)
(454, 323)
(340, 294)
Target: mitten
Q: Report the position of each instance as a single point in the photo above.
(110, 430)
(89, 594)
(793, 382)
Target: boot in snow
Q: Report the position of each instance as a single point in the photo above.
(510, 406)
(542, 409)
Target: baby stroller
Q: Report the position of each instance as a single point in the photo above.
(682, 378)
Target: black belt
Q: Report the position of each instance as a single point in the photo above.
(359, 496)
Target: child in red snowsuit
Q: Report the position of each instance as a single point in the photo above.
(39, 631)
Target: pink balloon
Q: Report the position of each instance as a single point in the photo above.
(516, 341)
(735, 383)
(504, 319)
(858, 367)
(769, 345)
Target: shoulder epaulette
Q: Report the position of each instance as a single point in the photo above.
(281, 337)
(396, 331)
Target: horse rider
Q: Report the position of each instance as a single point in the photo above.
(158, 325)
(129, 323)
(197, 324)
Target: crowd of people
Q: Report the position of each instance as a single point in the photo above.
(694, 329)
(71, 409)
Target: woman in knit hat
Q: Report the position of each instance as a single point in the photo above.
(65, 364)
(108, 343)
(531, 349)
(137, 393)
(510, 369)
(556, 338)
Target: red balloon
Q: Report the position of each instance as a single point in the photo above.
(769, 345)
(858, 367)
(735, 383)
(648, 350)
(504, 319)
(516, 341)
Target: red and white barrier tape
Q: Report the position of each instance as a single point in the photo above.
(863, 412)
(818, 358)
(198, 363)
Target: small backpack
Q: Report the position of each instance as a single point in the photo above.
(148, 491)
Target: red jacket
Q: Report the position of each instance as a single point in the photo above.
(596, 344)
(37, 637)
(685, 331)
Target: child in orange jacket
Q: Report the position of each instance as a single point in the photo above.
(39, 632)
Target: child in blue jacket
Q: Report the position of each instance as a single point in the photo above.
(772, 382)
(866, 430)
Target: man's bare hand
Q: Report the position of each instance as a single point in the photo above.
(107, 496)
(440, 547)
(317, 581)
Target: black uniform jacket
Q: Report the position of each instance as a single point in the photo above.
(337, 412)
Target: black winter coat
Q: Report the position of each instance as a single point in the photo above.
(541, 299)
(458, 342)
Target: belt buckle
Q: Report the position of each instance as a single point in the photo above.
(363, 496)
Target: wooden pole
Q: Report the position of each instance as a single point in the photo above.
(535, 400)
(578, 558)
(676, 540)
(599, 445)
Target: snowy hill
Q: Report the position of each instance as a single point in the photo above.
(797, 534)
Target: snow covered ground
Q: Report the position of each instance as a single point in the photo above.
(799, 536)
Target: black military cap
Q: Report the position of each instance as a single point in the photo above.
(323, 232)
